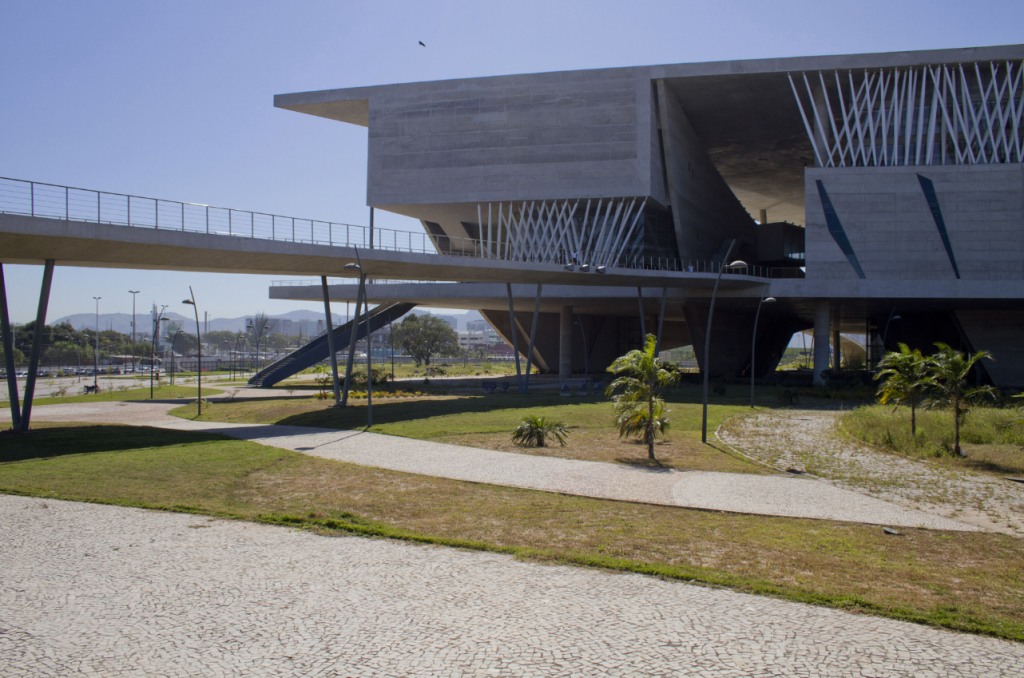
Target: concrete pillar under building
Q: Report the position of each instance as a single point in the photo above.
(565, 344)
(837, 347)
(821, 339)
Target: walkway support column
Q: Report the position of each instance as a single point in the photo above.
(330, 341)
(37, 345)
(643, 325)
(515, 340)
(565, 344)
(837, 346)
(353, 332)
(12, 379)
(533, 337)
(661, 321)
(821, 327)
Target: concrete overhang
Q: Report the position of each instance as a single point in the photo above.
(743, 111)
(32, 240)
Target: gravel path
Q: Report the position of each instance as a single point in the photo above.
(114, 591)
(809, 441)
(781, 495)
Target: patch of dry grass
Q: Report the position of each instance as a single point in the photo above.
(969, 581)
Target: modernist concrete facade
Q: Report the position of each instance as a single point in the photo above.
(866, 186)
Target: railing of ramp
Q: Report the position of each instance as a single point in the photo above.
(53, 201)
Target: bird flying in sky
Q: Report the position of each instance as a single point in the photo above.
(421, 44)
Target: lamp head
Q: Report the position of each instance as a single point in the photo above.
(737, 263)
(769, 300)
(600, 269)
(189, 302)
(570, 268)
(356, 267)
(896, 317)
(585, 268)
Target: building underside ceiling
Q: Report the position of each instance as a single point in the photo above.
(752, 131)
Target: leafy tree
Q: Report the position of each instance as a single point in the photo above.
(949, 387)
(426, 336)
(906, 375)
(639, 409)
(277, 341)
(19, 357)
(533, 431)
(218, 338)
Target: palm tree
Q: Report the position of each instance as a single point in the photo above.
(949, 385)
(639, 410)
(906, 375)
(534, 430)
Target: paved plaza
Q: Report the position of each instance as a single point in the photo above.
(114, 591)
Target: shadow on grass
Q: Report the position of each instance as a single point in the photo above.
(59, 441)
(397, 411)
(994, 467)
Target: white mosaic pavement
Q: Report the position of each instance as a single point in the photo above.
(112, 591)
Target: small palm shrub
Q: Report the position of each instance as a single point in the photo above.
(533, 431)
(632, 422)
(639, 378)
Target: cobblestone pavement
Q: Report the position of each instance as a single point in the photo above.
(114, 591)
(808, 440)
(780, 495)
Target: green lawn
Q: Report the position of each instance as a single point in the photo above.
(479, 420)
(966, 581)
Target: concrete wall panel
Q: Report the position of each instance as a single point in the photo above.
(886, 217)
(553, 135)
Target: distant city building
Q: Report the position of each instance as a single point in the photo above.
(471, 340)
(478, 325)
(309, 328)
(286, 328)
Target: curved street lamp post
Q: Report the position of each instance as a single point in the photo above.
(707, 338)
(152, 347)
(96, 363)
(753, 341)
(192, 302)
(133, 293)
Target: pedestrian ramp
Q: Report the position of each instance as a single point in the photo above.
(318, 348)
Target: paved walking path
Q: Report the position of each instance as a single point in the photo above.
(114, 591)
(779, 495)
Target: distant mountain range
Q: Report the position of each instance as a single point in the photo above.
(121, 322)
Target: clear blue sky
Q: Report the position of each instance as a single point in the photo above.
(175, 99)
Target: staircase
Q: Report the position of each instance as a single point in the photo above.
(317, 349)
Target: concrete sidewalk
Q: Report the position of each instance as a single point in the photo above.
(776, 495)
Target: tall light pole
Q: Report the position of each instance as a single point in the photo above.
(753, 341)
(96, 360)
(133, 293)
(586, 372)
(174, 342)
(152, 346)
(892, 317)
(707, 339)
(192, 302)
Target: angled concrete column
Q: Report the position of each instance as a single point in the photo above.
(821, 337)
(565, 344)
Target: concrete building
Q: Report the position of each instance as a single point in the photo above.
(877, 194)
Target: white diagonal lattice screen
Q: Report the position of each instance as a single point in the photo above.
(601, 232)
(961, 114)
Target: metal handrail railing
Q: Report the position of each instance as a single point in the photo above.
(38, 199)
